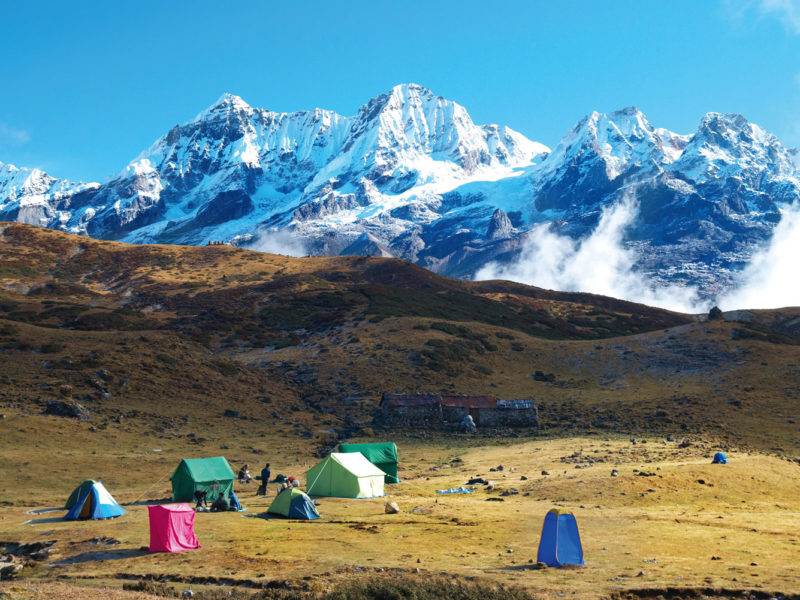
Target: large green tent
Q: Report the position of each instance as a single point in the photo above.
(345, 475)
(78, 492)
(382, 454)
(211, 475)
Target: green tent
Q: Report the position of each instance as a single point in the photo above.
(383, 455)
(212, 475)
(78, 492)
(295, 504)
(345, 475)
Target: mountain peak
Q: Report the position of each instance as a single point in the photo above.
(226, 103)
(405, 91)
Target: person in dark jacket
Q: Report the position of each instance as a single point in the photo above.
(266, 474)
(220, 504)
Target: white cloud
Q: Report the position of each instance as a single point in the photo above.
(599, 264)
(787, 11)
(770, 278)
(278, 242)
(12, 135)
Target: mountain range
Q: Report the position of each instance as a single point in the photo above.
(411, 176)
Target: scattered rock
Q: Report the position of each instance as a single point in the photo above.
(715, 558)
(368, 431)
(187, 594)
(510, 492)
(640, 574)
(495, 500)
(614, 473)
(701, 481)
(10, 571)
(753, 564)
(523, 478)
(510, 551)
(233, 414)
(545, 473)
(66, 408)
(391, 508)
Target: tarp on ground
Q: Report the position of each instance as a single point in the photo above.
(560, 543)
(295, 504)
(172, 528)
(381, 454)
(78, 492)
(345, 475)
(212, 475)
(95, 503)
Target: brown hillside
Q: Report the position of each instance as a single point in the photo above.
(285, 339)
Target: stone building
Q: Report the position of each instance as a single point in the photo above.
(438, 412)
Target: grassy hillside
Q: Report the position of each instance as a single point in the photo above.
(287, 339)
(183, 352)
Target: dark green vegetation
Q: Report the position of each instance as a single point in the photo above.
(383, 587)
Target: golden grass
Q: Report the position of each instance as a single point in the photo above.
(745, 512)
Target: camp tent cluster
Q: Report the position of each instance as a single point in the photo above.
(357, 471)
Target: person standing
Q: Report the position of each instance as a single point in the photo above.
(266, 475)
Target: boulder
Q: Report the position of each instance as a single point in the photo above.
(66, 408)
(392, 508)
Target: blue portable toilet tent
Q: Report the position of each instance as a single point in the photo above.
(560, 543)
(720, 459)
(95, 503)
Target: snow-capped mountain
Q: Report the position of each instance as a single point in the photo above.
(410, 175)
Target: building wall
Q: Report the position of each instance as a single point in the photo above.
(436, 416)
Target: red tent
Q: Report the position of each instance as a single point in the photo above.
(172, 528)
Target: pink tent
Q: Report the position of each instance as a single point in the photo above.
(172, 528)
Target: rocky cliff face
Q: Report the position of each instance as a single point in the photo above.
(411, 176)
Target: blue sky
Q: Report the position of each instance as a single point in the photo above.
(88, 85)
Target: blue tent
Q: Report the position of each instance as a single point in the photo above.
(295, 504)
(560, 543)
(720, 459)
(95, 503)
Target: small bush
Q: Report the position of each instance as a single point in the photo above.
(153, 588)
(167, 359)
(397, 588)
(51, 348)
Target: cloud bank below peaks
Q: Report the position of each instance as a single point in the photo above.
(770, 279)
(278, 242)
(598, 264)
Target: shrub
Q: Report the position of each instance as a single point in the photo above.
(51, 348)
